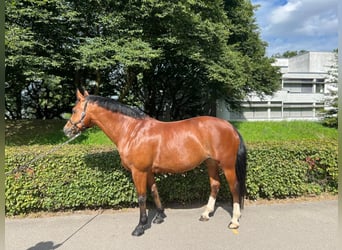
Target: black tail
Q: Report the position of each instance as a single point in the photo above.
(241, 169)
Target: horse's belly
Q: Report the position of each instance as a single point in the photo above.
(177, 163)
(172, 169)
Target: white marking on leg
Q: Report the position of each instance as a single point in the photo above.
(236, 215)
(209, 208)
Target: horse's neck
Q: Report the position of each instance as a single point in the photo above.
(115, 125)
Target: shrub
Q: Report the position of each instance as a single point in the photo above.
(279, 170)
(77, 177)
(81, 176)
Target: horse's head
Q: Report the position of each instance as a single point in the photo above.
(78, 120)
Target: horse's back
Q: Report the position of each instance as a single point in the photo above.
(199, 122)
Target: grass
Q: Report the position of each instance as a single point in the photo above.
(43, 132)
(284, 131)
(48, 132)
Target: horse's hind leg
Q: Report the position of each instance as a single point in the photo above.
(231, 177)
(159, 218)
(214, 187)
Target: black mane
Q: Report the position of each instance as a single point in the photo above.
(117, 107)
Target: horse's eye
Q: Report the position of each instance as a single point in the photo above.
(73, 111)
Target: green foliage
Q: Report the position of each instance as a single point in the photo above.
(331, 121)
(77, 177)
(182, 55)
(48, 132)
(82, 176)
(284, 131)
(288, 169)
(330, 115)
(38, 53)
(244, 35)
(290, 53)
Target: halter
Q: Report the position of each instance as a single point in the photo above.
(82, 118)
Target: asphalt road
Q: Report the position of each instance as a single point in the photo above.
(299, 225)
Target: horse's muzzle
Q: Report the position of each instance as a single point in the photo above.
(70, 131)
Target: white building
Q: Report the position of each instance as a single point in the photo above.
(303, 85)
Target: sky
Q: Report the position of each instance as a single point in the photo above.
(292, 25)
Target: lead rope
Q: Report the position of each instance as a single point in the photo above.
(25, 166)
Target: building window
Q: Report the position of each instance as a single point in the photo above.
(250, 113)
(260, 113)
(320, 88)
(275, 112)
(307, 88)
(298, 87)
(298, 112)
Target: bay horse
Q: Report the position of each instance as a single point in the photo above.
(148, 146)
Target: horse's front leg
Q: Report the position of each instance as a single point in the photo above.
(140, 228)
(140, 181)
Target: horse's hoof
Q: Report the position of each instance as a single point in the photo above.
(233, 225)
(159, 217)
(139, 230)
(203, 218)
(158, 220)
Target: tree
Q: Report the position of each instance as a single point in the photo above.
(330, 113)
(289, 54)
(196, 65)
(174, 59)
(260, 76)
(218, 64)
(38, 51)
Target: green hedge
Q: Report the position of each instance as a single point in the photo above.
(292, 169)
(80, 176)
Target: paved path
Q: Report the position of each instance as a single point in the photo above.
(299, 225)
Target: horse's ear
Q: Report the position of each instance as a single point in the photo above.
(86, 93)
(79, 95)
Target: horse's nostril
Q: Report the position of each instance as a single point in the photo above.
(69, 132)
(65, 130)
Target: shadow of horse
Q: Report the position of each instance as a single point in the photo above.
(226, 206)
(49, 245)
(46, 245)
(152, 212)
